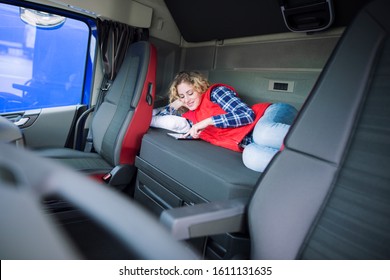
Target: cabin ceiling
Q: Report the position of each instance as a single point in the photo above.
(205, 20)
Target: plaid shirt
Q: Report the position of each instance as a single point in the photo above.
(237, 112)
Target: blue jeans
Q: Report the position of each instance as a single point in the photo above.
(268, 135)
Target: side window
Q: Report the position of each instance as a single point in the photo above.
(43, 59)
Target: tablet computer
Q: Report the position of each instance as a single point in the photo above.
(180, 136)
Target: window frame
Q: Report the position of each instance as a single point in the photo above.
(92, 44)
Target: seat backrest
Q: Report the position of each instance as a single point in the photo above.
(125, 114)
(327, 194)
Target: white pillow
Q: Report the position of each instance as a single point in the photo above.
(171, 122)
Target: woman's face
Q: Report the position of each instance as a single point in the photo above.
(188, 95)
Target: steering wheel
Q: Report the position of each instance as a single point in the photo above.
(28, 232)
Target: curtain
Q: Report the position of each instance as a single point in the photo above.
(114, 40)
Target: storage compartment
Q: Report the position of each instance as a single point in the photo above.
(198, 172)
(157, 191)
(157, 198)
(228, 246)
(153, 195)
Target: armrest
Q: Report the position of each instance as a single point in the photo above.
(206, 219)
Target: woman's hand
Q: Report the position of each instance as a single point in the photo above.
(176, 104)
(197, 128)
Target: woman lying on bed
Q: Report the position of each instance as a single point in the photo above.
(215, 113)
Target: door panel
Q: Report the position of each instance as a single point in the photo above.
(50, 128)
(47, 127)
(46, 71)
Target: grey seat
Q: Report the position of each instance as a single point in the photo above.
(121, 120)
(212, 172)
(327, 195)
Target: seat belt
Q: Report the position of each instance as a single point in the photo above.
(104, 88)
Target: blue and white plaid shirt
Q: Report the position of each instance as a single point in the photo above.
(237, 112)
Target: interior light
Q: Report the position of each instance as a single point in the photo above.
(41, 19)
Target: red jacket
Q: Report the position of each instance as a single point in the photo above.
(229, 138)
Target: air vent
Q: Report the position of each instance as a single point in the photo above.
(283, 86)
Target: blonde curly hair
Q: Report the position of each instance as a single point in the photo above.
(196, 79)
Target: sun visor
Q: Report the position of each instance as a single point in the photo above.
(140, 15)
(125, 11)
